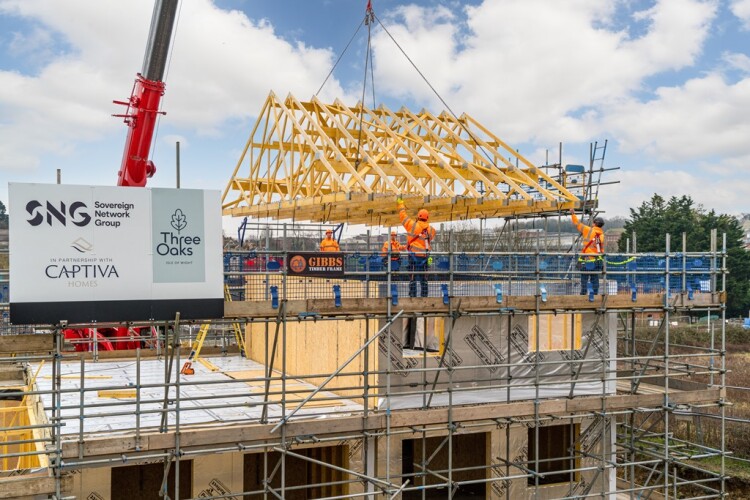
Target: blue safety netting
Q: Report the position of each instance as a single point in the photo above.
(522, 274)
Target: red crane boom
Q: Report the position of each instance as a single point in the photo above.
(136, 168)
(143, 105)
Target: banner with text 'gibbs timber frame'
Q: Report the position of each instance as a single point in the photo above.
(321, 264)
(97, 253)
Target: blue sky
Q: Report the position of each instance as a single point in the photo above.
(667, 83)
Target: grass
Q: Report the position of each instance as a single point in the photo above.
(737, 434)
(735, 468)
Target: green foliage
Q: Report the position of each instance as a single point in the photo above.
(3, 216)
(657, 217)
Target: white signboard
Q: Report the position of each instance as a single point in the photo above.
(94, 253)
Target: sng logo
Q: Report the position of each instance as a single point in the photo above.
(75, 212)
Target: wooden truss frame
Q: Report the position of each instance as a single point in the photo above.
(335, 163)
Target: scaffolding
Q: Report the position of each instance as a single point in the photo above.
(502, 383)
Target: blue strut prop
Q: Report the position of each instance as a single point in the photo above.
(499, 293)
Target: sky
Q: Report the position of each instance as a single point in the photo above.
(665, 82)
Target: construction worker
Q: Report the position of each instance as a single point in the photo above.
(329, 244)
(593, 248)
(396, 248)
(419, 236)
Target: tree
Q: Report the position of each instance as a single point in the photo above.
(3, 216)
(656, 218)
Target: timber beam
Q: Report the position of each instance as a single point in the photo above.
(26, 343)
(435, 305)
(32, 486)
(214, 436)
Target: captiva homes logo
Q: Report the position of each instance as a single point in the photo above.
(82, 246)
(177, 244)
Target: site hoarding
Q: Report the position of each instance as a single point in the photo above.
(97, 253)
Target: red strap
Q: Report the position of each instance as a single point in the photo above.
(416, 237)
(591, 240)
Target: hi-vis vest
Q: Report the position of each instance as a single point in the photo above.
(395, 247)
(419, 235)
(329, 245)
(593, 237)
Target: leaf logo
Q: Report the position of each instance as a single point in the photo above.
(179, 220)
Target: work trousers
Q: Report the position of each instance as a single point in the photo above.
(595, 268)
(418, 270)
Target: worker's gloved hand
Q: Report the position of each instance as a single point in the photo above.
(400, 200)
(429, 261)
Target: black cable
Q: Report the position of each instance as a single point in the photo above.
(340, 56)
(364, 88)
(372, 75)
(471, 136)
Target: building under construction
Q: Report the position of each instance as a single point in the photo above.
(509, 380)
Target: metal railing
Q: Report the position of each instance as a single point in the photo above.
(251, 276)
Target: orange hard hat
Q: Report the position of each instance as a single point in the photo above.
(423, 214)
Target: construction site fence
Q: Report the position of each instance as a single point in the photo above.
(259, 275)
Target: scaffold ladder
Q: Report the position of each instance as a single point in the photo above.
(238, 337)
(195, 348)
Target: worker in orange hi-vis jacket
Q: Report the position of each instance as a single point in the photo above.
(329, 244)
(395, 247)
(419, 236)
(593, 248)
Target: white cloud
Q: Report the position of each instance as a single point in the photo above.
(170, 140)
(737, 61)
(741, 9)
(573, 71)
(706, 117)
(725, 191)
(529, 68)
(222, 67)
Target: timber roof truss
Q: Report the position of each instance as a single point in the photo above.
(336, 163)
